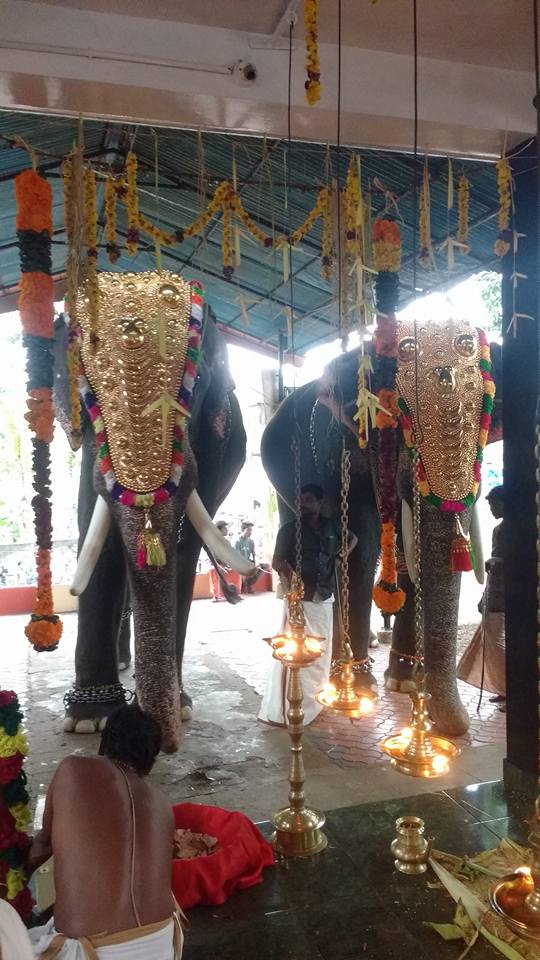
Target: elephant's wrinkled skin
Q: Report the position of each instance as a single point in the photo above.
(320, 440)
(160, 598)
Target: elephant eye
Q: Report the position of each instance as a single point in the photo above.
(407, 349)
(465, 344)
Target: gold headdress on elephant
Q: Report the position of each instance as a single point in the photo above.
(138, 371)
(445, 398)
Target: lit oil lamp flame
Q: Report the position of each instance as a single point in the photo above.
(328, 694)
(440, 763)
(366, 705)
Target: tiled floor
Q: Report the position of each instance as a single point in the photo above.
(227, 756)
(348, 903)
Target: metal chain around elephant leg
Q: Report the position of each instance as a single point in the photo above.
(418, 604)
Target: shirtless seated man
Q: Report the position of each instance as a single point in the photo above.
(112, 838)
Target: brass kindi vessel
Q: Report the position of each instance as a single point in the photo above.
(410, 848)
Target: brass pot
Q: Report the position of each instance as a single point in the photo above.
(410, 848)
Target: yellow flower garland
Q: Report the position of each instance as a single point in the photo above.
(21, 815)
(92, 288)
(132, 204)
(15, 882)
(351, 200)
(113, 250)
(463, 213)
(313, 64)
(504, 186)
(15, 744)
(226, 241)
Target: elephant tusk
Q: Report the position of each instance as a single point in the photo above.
(407, 534)
(93, 544)
(476, 544)
(211, 536)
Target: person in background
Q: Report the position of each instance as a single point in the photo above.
(320, 551)
(112, 837)
(483, 663)
(246, 547)
(232, 578)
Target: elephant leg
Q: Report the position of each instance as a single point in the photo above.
(364, 522)
(97, 691)
(187, 556)
(153, 601)
(398, 675)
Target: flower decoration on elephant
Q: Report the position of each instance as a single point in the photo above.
(137, 388)
(446, 393)
(15, 813)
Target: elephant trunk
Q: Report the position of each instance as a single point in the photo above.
(197, 514)
(440, 589)
(153, 602)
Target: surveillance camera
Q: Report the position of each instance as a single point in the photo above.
(243, 72)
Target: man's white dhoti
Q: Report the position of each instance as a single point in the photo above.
(319, 621)
(14, 942)
(156, 944)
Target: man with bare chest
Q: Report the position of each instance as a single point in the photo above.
(112, 837)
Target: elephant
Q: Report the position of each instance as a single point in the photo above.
(320, 414)
(108, 577)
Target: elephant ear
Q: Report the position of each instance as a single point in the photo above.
(61, 398)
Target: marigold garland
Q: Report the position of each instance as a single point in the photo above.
(92, 287)
(351, 200)
(504, 185)
(386, 246)
(463, 214)
(132, 204)
(36, 309)
(313, 64)
(113, 250)
(425, 253)
(72, 281)
(14, 807)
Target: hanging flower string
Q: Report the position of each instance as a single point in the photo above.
(386, 245)
(36, 309)
(504, 185)
(15, 813)
(313, 64)
(73, 358)
(351, 202)
(425, 255)
(113, 250)
(92, 287)
(132, 204)
(463, 214)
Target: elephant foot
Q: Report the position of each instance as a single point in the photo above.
(88, 708)
(89, 725)
(449, 719)
(123, 665)
(186, 707)
(398, 675)
(373, 640)
(398, 686)
(364, 681)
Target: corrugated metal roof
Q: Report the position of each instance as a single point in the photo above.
(190, 166)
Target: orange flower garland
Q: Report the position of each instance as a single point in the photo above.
(36, 308)
(386, 246)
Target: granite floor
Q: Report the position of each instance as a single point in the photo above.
(349, 903)
(227, 757)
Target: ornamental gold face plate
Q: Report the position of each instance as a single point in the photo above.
(446, 407)
(137, 363)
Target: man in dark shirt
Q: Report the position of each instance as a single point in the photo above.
(321, 544)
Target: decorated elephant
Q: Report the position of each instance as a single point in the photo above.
(445, 403)
(159, 408)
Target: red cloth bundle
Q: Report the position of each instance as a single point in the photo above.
(237, 863)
